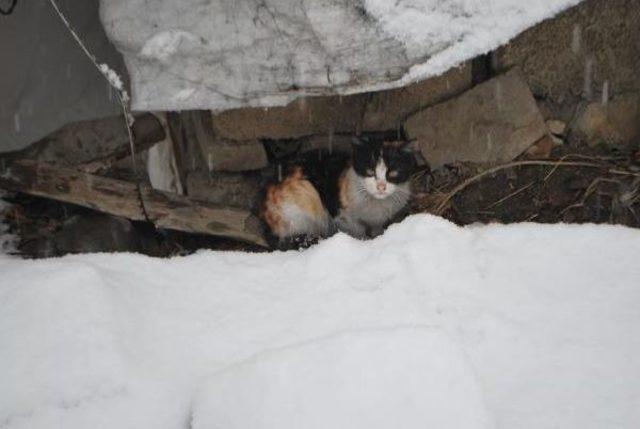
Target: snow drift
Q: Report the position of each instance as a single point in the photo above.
(523, 326)
(222, 54)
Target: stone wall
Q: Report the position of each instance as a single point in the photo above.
(582, 67)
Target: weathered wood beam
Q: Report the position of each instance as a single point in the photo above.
(121, 198)
(92, 145)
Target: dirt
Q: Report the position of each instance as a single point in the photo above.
(574, 185)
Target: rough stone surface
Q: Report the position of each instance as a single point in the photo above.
(302, 117)
(543, 147)
(239, 190)
(222, 154)
(616, 123)
(556, 127)
(375, 111)
(586, 52)
(493, 122)
(387, 110)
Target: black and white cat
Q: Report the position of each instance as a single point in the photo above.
(359, 195)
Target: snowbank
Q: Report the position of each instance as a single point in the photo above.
(523, 326)
(223, 54)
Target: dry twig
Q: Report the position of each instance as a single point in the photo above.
(442, 205)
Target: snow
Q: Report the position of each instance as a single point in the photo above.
(165, 44)
(376, 378)
(225, 54)
(429, 325)
(114, 79)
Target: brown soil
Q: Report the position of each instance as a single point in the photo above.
(574, 185)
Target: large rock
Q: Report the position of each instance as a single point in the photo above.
(222, 154)
(585, 51)
(241, 190)
(302, 117)
(387, 110)
(616, 122)
(375, 111)
(493, 122)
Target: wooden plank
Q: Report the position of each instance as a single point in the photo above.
(92, 145)
(121, 198)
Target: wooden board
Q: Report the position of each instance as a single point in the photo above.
(121, 198)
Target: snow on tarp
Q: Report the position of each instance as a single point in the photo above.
(523, 326)
(232, 53)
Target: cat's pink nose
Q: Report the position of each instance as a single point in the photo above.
(381, 186)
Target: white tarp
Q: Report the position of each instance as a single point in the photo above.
(220, 54)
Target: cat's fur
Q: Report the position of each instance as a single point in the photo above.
(358, 194)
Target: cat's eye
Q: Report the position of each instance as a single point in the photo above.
(369, 172)
(393, 173)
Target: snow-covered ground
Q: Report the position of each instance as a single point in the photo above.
(430, 325)
(194, 54)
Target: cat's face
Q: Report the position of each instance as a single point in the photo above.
(382, 167)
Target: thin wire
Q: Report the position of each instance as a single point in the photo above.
(123, 98)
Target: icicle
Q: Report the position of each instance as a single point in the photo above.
(16, 122)
(605, 93)
(279, 172)
(588, 78)
(576, 41)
